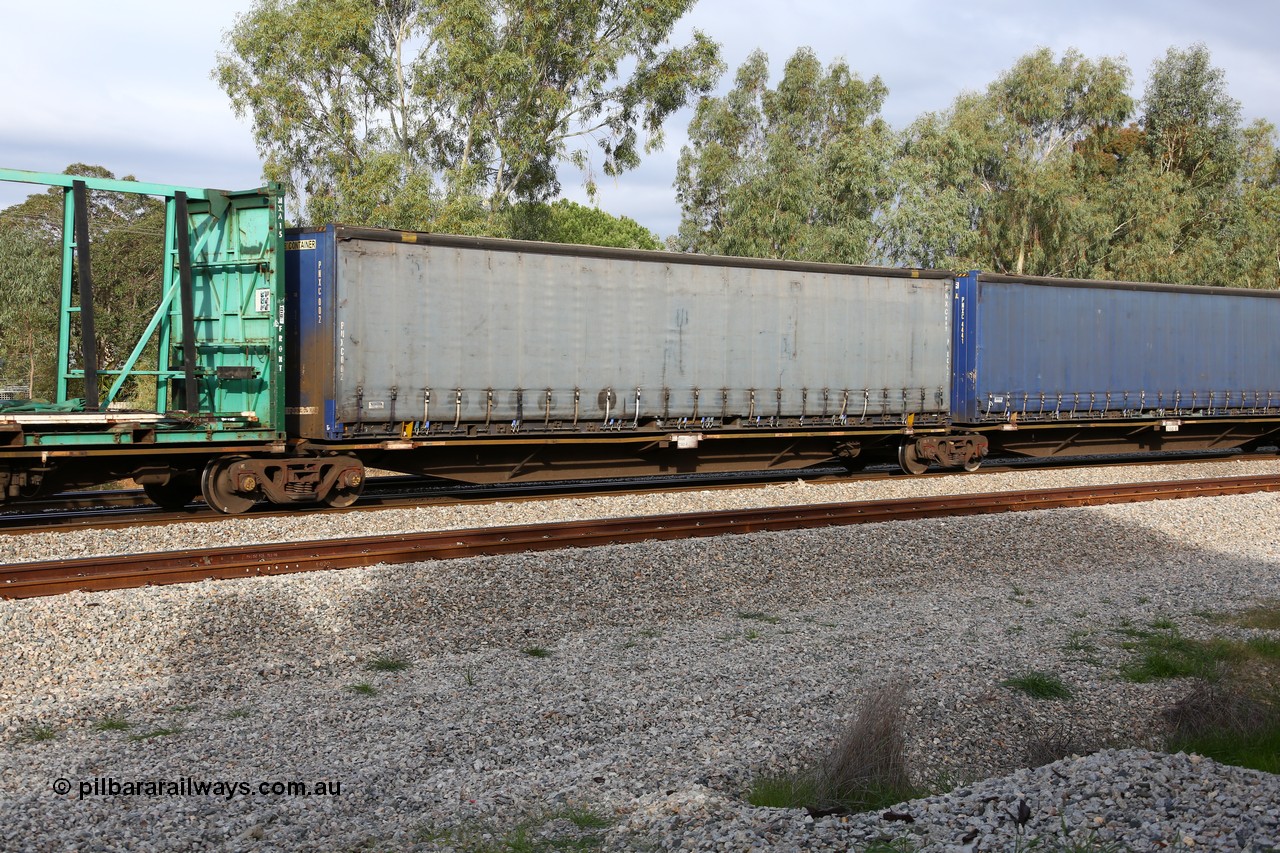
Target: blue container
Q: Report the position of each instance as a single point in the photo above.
(1035, 349)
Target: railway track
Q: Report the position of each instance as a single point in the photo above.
(110, 509)
(23, 580)
(129, 507)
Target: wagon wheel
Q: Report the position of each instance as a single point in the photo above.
(348, 485)
(218, 487)
(909, 460)
(340, 496)
(174, 495)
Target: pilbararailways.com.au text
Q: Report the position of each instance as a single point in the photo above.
(186, 786)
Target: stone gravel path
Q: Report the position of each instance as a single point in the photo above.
(675, 673)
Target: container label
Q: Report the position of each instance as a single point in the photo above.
(262, 300)
(297, 245)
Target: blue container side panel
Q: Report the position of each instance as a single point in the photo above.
(327, 338)
(1079, 351)
(963, 347)
(309, 260)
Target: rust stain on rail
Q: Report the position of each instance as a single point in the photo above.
(24, 580)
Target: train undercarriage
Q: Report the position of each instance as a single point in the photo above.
(234, 478)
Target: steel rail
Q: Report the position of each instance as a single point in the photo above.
(22, 580)
(386, 493)
(109, 510)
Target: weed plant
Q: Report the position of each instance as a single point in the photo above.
(536, 834)
(38, 734)
(1229, 725)
(897, 845)
(1056, 742)
(1038, 685)
(1168, 654)
(112, 724)
(583, 818)
(1080, 647)
(1232, 712)
(1265, 617)
(865, 769)
(384, 663)
(759, 617)
(154, 733)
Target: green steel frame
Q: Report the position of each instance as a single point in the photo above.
(218, 320)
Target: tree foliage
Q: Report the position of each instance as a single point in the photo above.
(564, 221)
(798, 171)
(1249, 240)
(457, 117)
(1192, 124)
(416, 112)
(1054, 169)
(126, 236)
(28, 303)
(997, 180)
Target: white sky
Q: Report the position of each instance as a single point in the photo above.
(126, 84)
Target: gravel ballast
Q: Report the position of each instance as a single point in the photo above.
(676, 674)
(250, 530)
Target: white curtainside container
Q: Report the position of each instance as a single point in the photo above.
(412, 334)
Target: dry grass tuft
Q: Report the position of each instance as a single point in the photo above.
(1214, 709)
(870, 755)
(1054, 744)
(866, 768)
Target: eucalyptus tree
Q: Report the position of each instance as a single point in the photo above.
(414, 112)
(994, 181)
(564, 221)
(126, 234)
(1249, 241)
(28, 306)
(1191, 122)
(1195, 144)
(798, 171)
(1188, 183)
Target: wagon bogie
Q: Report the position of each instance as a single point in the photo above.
(234, 484)
(947, 451)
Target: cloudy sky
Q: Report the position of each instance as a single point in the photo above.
(125, 84)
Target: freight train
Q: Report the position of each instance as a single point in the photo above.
(284, 362)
